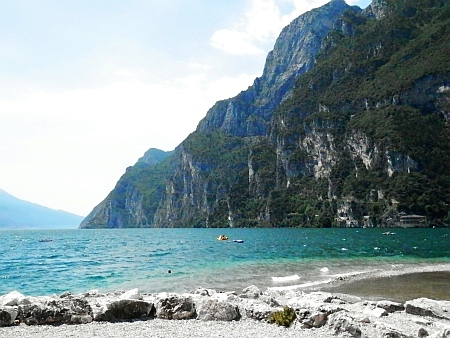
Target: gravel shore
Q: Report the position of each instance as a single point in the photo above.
(161, 328)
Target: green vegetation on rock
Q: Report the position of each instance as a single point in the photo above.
(358, 140)
(284, 317)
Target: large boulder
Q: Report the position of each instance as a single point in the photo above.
(428, 307)
(251, 292)
(257, 311)
(55, 311)
(124, 309)
(316, 319)
(389, 306)
(386, 331)
(269, 301)
(215, 310)
(8, 315)
(442, 333)
(14, 298)
(132, 294)
(176, 307)
(345, 323)
(374, 311)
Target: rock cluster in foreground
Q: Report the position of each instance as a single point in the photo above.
(339, 314)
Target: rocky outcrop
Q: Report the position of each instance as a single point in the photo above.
(216, 310)
(346, 127)
(186, 194)
(428, 307)
(339, 314)
(344, 323)
(8, 315)
(376, 9)
(175, 307)
(294, 53)
(127, 204)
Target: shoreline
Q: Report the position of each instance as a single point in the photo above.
(366, 314)
(415, 277)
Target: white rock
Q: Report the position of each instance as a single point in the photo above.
(390, 306)
(14, 298)
(92, 293)
(375, 312)
(221, 297)
(442, 333)
(13, 312)
(421, 321)
(389, 331)
(364, 320)
(132, 294)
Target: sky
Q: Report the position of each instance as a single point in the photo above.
(87, 86)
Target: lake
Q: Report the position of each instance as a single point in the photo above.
(43, 262)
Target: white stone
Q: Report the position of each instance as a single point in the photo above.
(132, 294)
(221, 297)
(13, 298)
(375, 312)
(13, 312)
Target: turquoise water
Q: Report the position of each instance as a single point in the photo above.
(109, 260)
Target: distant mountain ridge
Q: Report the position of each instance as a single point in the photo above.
(19, 214)
(347, 127)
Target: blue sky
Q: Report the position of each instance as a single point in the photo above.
(86, 87)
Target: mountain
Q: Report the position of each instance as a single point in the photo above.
(153, 156)
(19, 214)
(348, 126)
(135, 194)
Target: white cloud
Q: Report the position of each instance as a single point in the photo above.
(235, 43)
(263, 21)
(230, 86)
(125, 73)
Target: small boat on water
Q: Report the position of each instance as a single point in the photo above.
(45, 240)
(388, 233)
(222, 238)
(238, 241)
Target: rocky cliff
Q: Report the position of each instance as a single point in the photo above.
(294, 53)
(347, 126)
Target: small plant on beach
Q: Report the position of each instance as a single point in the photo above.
(284, 317)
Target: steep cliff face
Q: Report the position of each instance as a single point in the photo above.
(294, 53)
(377, 9)
(136, 195)
(188, 190)
(370, 122)
(347, 126)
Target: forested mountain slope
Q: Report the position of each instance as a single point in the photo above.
(347, 126)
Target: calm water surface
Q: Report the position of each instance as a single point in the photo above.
(109, 260)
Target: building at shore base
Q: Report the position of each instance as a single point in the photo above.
(413, 221)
